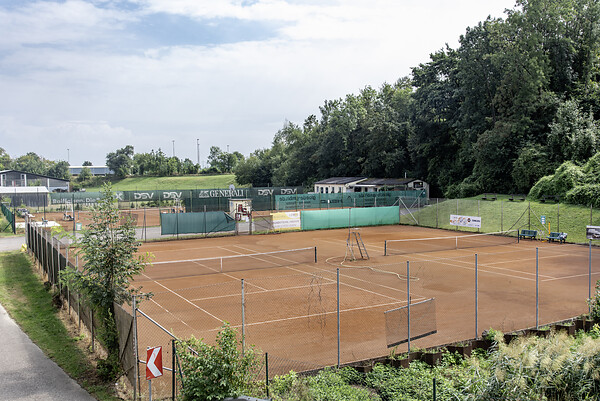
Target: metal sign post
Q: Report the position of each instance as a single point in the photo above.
(154, 367)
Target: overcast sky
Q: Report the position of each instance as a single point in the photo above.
(94, 76)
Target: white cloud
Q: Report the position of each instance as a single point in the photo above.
(236, 93)
(57, 23)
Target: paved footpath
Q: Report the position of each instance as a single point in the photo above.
(11, 243)
(27, 374)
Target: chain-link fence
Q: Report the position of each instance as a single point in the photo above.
(51, 254)
(501, 215)
(345, 315)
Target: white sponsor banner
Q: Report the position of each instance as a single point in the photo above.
(465, 221)
(286, 221)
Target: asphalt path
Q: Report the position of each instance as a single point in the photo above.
(27, 374)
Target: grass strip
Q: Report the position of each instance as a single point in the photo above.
(23, 295)
(170, 183)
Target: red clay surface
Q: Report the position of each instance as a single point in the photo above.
(290, 312)
(84, 217)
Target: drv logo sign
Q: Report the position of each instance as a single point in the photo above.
(171, 195)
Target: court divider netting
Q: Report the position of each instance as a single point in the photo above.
(233, 263)
(421, 245)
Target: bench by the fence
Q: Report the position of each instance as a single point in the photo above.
(528, 234)
(517, 197)
(554, 198)
(560, 237)
(489, 197)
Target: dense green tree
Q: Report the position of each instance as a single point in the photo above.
(121, 161)
(531, 165)
(59, 169)
(574, 135)
(5, 161)
(84, 175)
(109, 248)
(87, 163)
(31, 163)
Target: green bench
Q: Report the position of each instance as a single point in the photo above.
(489, 197)
(560, 237)
(517, 197)
(528, 234)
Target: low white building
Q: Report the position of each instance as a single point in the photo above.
(335, 185)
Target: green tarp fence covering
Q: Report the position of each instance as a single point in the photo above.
(194, 199)
(195, 223)
(10, 217)
(353, 217)
(348, 199)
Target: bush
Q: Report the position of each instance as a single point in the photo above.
(588, 194)
(594, 303)
(218, 371)
(566, 177)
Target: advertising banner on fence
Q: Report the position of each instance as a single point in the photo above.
(465, 221)
(286, 221)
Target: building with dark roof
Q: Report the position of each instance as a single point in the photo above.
(16, 178)
(365, 184)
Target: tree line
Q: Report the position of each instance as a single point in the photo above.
(517, 98)
(32, 163)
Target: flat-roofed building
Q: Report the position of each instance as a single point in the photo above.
(95, 170)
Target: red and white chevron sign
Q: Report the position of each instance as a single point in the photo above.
(154, 367)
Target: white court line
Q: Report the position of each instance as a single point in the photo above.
(323, 313)
(348, 285)
(490, 265)
(186, 300)
(257, 292)
(170, 313)
(573, 276)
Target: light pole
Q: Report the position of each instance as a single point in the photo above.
(68, 156)
(198, 150)
(173, 147)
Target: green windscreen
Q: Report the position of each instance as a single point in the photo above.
(193, 223)
(354, 217)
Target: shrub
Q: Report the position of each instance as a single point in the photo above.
(219, 371)
(588, 194)
(594, 303)
(566, 177)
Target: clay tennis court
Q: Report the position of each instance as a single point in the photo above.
(291, 311)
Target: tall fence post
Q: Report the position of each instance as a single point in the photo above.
(243, 319)
(408, 300)
(501, 215)
(136, 366)
(437, 201)
(476, 297)
(338, 315)
(173, 371)
(590, 278)
(558, 216)
(537, 288)
(267, 372)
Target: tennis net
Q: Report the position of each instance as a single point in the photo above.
(227, 264)
(421, 245)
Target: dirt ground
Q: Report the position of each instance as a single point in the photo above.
(291, 311)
